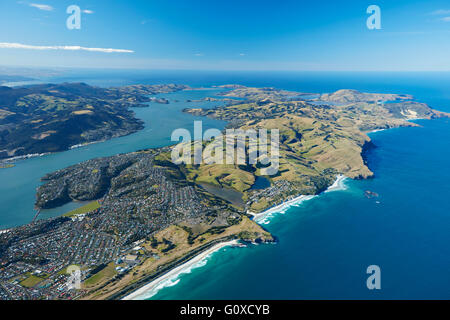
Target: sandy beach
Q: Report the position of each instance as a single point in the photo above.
(376, 130)
(260, 217)
(338, 184)
(170, 277)
(152, 288)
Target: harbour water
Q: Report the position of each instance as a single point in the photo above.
(18, 184)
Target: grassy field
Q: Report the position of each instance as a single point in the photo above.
(94, 205)
(31, 281)
(106, 273)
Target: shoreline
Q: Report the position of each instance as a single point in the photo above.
(171, 277)
(338, 184)
(152, 288)
(376, 130)
(26, 156)
(80, 145)
(259, 218)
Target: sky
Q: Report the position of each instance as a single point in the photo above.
(227, 35)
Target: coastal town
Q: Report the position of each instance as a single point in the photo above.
(138, 196)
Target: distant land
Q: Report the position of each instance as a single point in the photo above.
(145, 215)
(54, 117)
(12, 78)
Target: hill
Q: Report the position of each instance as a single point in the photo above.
(318, 141)
(53, 117)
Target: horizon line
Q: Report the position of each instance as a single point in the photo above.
(204, 70)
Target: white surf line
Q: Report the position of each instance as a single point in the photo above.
(154, 286)
(376, 130)
(338, 184)
(259, 217)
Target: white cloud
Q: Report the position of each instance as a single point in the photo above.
(8, 45)
(88, 11)
(440, 12)
(444, 13)
(44, 7)
(199, 54)
(242, 54)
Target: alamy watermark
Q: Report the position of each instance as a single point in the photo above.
(374, 280)
(236, 146)
(374, 20)
(74, 20)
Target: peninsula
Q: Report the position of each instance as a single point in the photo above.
(146, 216)
(320, 137)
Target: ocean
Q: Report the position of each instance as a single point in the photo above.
(326, 243)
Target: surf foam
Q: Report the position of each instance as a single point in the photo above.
(171, 278)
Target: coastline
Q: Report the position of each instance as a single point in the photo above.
(80, 145)
(165, 280)
(26, 156)
(170, 278)
(376, 130)
(281, 208)
(261, 218)
(338, 184)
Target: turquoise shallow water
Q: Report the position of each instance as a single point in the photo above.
(326, 243)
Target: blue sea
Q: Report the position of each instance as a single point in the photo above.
(324, 244)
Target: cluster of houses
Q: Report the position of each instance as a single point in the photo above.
(142, 200)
